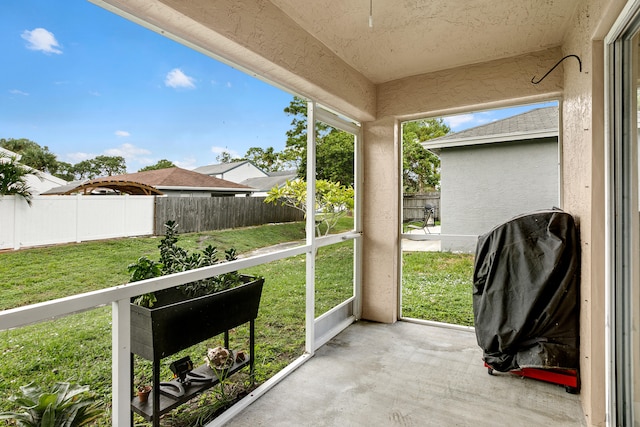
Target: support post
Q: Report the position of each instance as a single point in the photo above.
(121, 363)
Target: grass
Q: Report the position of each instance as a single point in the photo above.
(78, 347)
(42, 274)
(438, 286)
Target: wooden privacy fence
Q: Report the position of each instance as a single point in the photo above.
(195, 214)
(414, 203)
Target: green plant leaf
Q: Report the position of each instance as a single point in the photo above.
(48, 417)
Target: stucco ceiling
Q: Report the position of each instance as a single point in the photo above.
(411, 37)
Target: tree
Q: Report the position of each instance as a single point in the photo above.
(13, 178)
(32, 154)
(85, 169)
(110, 165)
(333, 201)
(420, 167)
(41, 159)
(335, 157)
(66, 171)
(161, 164)
(226, 157)
(267, 159)
(334, 148)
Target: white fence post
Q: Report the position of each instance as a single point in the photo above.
(18, 221)
(78, 200)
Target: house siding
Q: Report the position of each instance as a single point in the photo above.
(243, 172)
(484, 186)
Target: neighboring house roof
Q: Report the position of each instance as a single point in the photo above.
(162, 179)
(120, 186)
(284, 173)
(275, 179)
(64, 189)
(222, 167)
(538, 123)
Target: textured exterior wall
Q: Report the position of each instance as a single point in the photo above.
(476, 196)
(381, 216)
(583, 190)
(490, 84)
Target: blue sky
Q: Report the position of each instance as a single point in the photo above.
(85, 82)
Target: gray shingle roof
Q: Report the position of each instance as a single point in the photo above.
(535, 123)
(219, 168)
(268, 182)
(283, 173)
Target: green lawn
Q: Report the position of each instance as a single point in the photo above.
(438, 286)
(78, 347)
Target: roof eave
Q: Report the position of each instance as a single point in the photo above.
(216, 189)
(490, 139)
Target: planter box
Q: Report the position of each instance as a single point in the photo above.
(176, 323)
(169, 327)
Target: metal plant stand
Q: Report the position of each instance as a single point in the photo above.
(160, 332)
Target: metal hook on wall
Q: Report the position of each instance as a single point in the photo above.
(554, 67)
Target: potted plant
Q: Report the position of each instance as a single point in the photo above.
(143, 389)
(174, 259)
(170, 320)
(163, 321)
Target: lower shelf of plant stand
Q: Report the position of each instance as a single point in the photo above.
(168, 403)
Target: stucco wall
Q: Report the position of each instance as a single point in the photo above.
(584, 186)
(488, 85)
(381, 217)
(485, 185)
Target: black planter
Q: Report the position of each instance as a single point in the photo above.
(177, 322)
(163, 330)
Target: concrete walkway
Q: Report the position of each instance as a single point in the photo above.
(406, 374)
(431, 245)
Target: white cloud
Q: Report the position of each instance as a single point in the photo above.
(42, 40)
(456, 121)
(177, 79)
(18, 92)
(78, 157)
(128, 151)
(187, 163)
(122, 133)
(219, 150)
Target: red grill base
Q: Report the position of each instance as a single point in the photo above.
(566, 377)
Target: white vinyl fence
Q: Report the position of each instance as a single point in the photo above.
(64, 219)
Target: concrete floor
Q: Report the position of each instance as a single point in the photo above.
(406, 374)
(431, 245)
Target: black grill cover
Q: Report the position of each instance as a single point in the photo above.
(525, 292)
